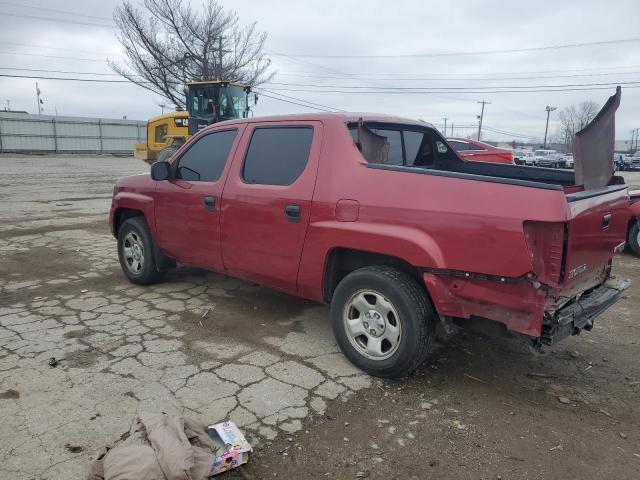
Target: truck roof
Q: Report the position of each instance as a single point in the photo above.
(343, 117)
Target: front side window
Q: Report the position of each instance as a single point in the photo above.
(206, 158)
(277, 155)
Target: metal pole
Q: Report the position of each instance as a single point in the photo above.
(445, 124)
(55, 135)
(100, 135)
(38, 99)
(452, 129)
(483, 102)
(546, 129)
(0, 134)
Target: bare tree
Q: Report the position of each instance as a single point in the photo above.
(169, 44)
(573, 119)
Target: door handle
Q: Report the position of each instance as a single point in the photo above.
(209, 202)
(292, 212)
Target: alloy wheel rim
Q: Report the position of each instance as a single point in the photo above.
(133, 252)
(372, 325)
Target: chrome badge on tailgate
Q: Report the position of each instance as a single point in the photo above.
(577, 271)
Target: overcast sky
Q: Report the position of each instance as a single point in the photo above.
(345, 27)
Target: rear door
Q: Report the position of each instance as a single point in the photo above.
(187, 207)
(267, 201)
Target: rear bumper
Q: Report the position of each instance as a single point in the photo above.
(579, 314)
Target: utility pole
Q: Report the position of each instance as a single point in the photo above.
(548, 109)
(445, 124)
(38, 99)
(162, 107)
(483, 102)
(8, 105)
(451, 129)
(220, 54)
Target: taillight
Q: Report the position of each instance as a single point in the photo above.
(506, 156)
(546, 244)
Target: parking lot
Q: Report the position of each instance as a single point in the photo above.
(82, 350)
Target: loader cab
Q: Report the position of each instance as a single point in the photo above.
(212, 102)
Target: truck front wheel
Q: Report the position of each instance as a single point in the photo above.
(135, 252)
(633, 238)
(383, 321)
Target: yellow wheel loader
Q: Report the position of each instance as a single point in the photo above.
(207, 103)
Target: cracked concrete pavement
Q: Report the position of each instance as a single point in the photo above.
(199, 344)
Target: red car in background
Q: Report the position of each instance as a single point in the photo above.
(479, 151)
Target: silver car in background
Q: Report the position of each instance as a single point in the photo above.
(547, 158)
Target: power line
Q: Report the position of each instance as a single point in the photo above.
(461, 89)
(49, 19)
(46, 47)
(582, 69)
(52, 56)
(442, 92)
(60, 71)
(295, 103)
(469, 79)
(261, 90)
(477, 52)
(320, 107)
(42, 9)
(93, 80)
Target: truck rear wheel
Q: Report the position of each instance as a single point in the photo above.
(135, 252)
(633, 238)
(382, 321)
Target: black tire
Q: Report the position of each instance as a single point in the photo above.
(134, 234)
(632, 239)
(416, 318)
(166, 154)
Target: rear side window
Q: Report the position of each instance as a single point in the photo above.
(277, 155)
(205, 159)
(395, 145)
(412, 144)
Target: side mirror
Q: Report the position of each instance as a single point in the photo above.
(160, 171)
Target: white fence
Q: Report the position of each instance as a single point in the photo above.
(23, 132)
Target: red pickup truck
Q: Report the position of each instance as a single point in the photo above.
(379, 217)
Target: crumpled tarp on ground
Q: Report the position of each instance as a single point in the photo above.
(158, 447)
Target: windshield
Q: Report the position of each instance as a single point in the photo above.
(224, 102)
(543, 153)
(233, 103)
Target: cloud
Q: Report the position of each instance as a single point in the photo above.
(375, 27)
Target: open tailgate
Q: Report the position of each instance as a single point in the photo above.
(599, 216)
(596, 230)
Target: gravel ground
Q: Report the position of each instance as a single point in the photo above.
(213, 347)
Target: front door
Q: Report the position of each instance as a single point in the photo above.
(267, 201)
(187, 208)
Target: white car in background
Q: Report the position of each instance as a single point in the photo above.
(523, 157)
